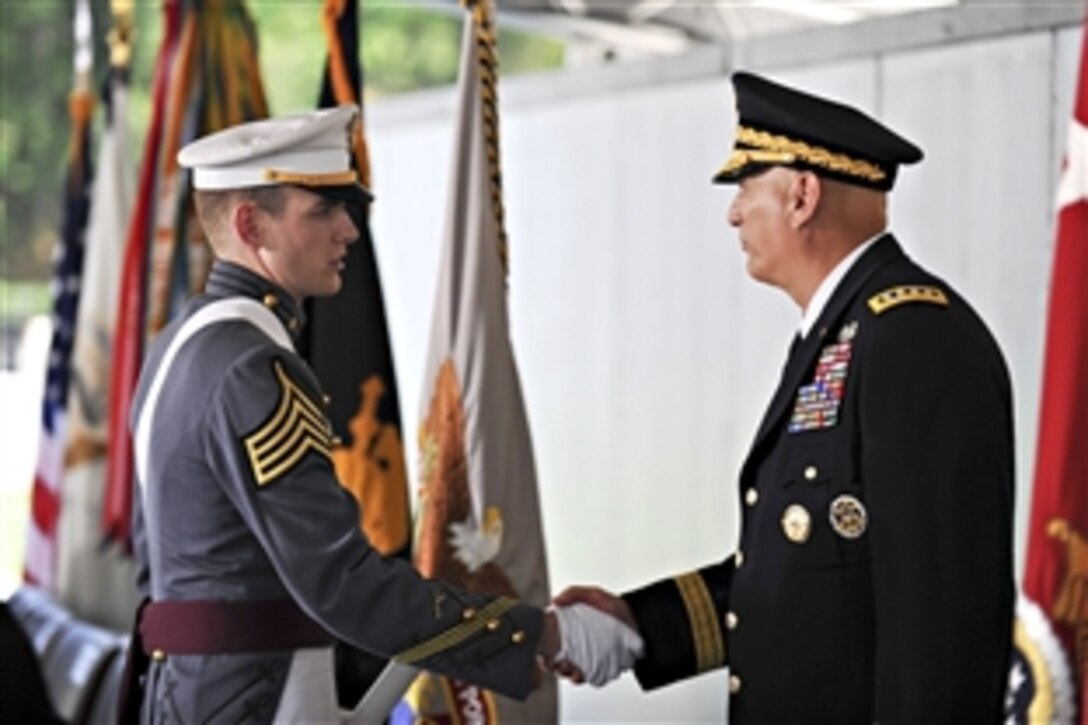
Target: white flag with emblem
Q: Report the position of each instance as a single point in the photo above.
(479, 525)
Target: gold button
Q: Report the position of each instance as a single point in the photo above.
(469, 613)
(811, 472)
(731, 620)
(751, 496)
(158, 655)
(734, 684)
(326, 399)
(337, 440)
(492, 625)
(270, 300)
(293, 323)
(517, 637)
(738, 560)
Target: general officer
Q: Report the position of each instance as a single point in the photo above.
(873, 577)
(248, 549)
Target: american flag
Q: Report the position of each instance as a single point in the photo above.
(40, 566)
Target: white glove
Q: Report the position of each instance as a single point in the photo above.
(598, 644)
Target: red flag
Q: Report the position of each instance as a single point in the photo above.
(1057, 562)
(206, 79)
(132, 301)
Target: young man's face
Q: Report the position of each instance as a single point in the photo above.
(304, 247)
(760, 213)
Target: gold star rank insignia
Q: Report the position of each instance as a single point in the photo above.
(295, 428)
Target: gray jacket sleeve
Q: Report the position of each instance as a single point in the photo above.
(267, 436)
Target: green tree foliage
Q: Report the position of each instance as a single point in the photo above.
(405, 46)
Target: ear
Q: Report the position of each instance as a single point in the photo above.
(805, 195)
(246, 223)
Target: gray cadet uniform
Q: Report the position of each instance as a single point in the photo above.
(243, 509)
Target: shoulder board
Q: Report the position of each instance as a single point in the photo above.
(895, 296)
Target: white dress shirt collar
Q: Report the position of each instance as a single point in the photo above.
(827, 287)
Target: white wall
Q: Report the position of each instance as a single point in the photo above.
(647, 354)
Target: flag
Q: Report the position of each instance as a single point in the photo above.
(479, 524)
(346, 342)
(206, 78)
(46, 493)
(97, 582)
(1056, 575)
(132, 302)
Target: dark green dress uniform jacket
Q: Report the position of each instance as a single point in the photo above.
(247, 507)
(873, 578)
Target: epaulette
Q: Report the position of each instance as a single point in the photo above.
(895, 296)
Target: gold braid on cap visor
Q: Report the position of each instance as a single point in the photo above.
(768, 148)
(334, 178)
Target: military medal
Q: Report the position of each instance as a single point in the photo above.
(848, 517)
(817, 404)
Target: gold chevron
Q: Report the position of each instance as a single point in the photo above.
(456, 634)
(706, 633)
(295, 428)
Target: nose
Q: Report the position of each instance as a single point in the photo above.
(734, 212)
(349, 228)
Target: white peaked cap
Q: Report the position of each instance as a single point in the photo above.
(310, 149)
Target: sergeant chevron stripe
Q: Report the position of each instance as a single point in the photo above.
(296, 427)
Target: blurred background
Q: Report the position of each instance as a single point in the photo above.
(646, 354)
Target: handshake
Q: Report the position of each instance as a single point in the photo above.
(590, 636)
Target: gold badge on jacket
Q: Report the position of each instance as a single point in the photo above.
(848, 516)
(817, 404)
(796, 523)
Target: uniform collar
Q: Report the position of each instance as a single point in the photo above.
(827, 286)
(228, 279)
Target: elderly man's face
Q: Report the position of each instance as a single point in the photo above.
(760, 214)
(306, 245)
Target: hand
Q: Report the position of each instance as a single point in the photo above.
(598, 599)
(598, 643)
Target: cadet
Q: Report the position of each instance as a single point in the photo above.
(249, 549)
(873, 577)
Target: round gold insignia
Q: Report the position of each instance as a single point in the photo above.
(848, 517)
(796, 523)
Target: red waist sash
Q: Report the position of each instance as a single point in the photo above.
(207, 627)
